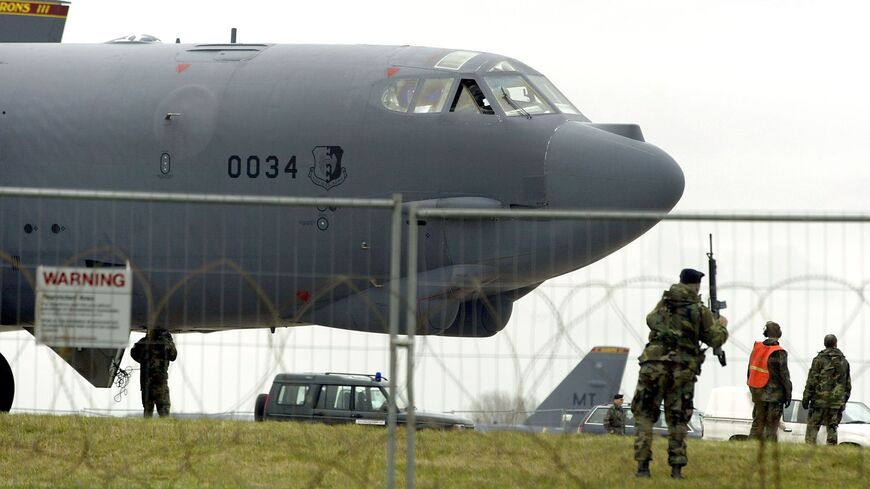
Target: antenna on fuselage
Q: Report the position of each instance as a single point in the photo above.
(233, 35)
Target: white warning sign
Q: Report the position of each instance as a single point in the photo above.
(83, 307)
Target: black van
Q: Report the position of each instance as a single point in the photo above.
(340, 398)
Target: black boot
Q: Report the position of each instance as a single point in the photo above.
(642, 469)
(676, 471)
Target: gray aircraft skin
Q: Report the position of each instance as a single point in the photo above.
(306, 120)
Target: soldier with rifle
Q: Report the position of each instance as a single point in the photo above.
(670, 364)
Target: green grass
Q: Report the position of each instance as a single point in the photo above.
(73, 451)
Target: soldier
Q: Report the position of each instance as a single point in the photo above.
(614, 420)
(669, 366)
(154, 352)
(769, 384)
(829, 386)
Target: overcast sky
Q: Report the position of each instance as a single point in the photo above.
(764, 104)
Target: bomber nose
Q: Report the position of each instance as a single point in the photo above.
(592, 168)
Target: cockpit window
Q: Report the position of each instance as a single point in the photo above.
(503, 66)
(455, 60)
(551, 92)
(398, 95)
(433, 94)
(464, 102)
(517, 97)
(469, 98)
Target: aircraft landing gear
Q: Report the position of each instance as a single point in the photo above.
(7, 385)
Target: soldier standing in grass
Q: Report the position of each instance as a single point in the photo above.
(669, 367)
(829, 385)
(154, 352)
(614, 419)
(769, 384)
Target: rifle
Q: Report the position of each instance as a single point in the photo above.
(715, 304)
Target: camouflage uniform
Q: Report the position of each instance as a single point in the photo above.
(669, 366)
(614, 420)
(768, 401)
(829, 386)
(154, 357)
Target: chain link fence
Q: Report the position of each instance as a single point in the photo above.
(244, 275)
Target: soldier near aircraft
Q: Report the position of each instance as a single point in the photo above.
(614, 420)
(669, 367)
(769, 383)
(154, 352)
(829, 385)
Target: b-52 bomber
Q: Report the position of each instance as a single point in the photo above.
(442, 127)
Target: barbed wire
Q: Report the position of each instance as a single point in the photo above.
(122, 379)
(563, 323)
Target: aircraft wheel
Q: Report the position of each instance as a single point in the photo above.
(260, 407)
(7, 385)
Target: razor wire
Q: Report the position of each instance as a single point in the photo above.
(562, 308)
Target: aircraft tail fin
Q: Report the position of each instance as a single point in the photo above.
(593, 381)
(24, 21)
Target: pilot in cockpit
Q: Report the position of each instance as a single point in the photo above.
(431, 97)
(399, 94)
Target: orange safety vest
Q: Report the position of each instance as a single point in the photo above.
(758, 373)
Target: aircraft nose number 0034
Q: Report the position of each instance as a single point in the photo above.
(327, 171)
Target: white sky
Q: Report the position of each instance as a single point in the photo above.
(769, 98)
(764, 104)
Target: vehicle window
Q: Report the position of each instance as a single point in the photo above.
(551, 92)
(629, 416)
(856, 413)
(378, 399)
(361, 399)
(433, 94)
(327, 396)
(802, 413)
(399, 93)
(597, 416)
(470, 98)
(335, 397)
(369, 399)
(342, 398)
(292, 394)
(788, 414)
(516, 96)
(695, 422)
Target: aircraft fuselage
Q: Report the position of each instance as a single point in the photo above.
(286, 120)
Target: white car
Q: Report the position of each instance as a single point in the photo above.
(729, 417)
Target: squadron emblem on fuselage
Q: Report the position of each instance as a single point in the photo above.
(327, 171)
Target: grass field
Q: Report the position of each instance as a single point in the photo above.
(74, 451)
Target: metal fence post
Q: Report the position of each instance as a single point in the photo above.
(395, 292)
(411, 326)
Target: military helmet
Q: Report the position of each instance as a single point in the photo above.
(772, 330)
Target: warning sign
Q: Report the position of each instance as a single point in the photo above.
(83, 307)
